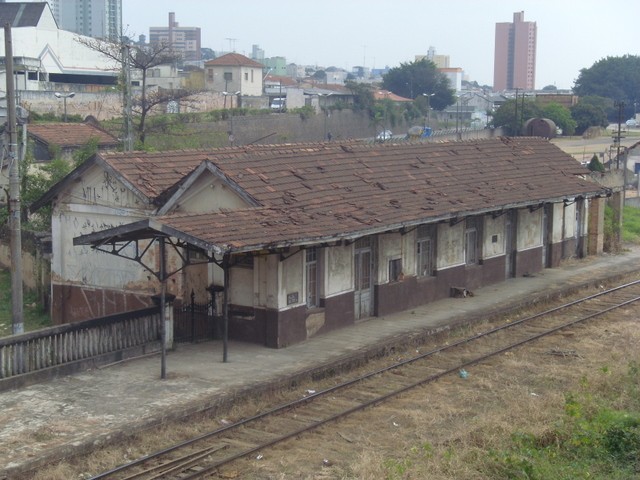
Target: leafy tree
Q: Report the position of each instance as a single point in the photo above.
(141, 58)
(363, 96)
(413, 79)
(550, 88)
(590, 112)
(511, 116)
(561, 116)
(595, 165)
(616, 78)
(320, 75)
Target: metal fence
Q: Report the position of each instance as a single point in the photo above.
(193, 322)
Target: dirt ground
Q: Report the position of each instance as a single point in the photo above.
(441, 431)
(444, 430)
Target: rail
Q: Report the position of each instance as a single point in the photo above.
(201, 455)
(68, 348)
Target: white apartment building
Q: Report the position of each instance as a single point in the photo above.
(91, 18)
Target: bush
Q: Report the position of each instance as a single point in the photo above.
(595, 165)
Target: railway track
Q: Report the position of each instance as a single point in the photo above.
(204, 455)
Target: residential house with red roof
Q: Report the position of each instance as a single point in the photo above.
(233, 73)
(67, 137)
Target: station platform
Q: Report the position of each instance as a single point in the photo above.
(78, 412)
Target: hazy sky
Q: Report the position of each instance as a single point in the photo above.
(378, 33)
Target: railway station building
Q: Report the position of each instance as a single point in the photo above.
(299, 239)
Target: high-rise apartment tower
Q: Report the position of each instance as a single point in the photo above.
(93, 18)
(515, 55)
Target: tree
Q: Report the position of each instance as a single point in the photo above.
(590, 112)
(511, 115)
(320, 75)
(561, 116)
(141, 58)
(363, 99)
(413, 79)
(616, 78)
(595, 165)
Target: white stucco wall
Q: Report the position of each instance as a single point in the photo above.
(241, 291)
(450, 251)
(291, 280)
(338, 276)
(570, 221)
(494, 238)
(85, 266)
(389, 248)
(251, 85)
(208, 194)
(557, 229)
(95, 202)
(529, 229)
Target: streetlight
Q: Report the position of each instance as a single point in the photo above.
(64, 96)
(226, 94)
(428, 97)
(231, 135)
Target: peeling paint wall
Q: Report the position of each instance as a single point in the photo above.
(409, 248)
(265, 281)
(241, 291)
(493, 242)
(291, 276)
(338, 276)
(557, 232)
(389, 248)
(569, 221)
(529, 229)
(450, 245)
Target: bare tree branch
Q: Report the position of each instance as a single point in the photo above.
(141, 58)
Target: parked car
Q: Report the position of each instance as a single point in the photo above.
(632, 122)
(279, 104)
(384, 135)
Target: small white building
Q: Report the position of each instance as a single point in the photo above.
(233, 73)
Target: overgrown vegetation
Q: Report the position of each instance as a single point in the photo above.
(592, 440)
(631, 225)
(33, 315)
(595, 165)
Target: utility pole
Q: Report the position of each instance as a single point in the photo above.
(620, 106)
(14, 190)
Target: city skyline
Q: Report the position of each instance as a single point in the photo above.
(380, 33)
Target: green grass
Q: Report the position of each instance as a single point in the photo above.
(33, 316)
(631, 225)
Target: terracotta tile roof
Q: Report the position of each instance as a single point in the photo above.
(233, 60)
(329, 191)
(70, 134)
(280, 80)
(387, 95)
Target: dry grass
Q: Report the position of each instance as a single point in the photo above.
(441, 431)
